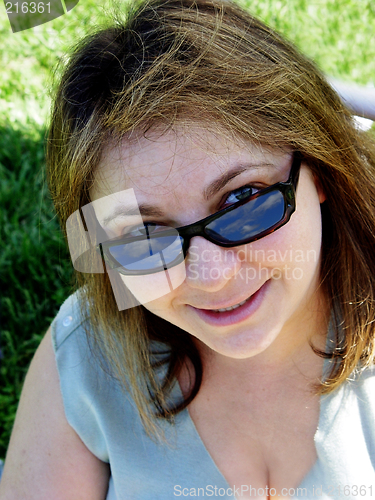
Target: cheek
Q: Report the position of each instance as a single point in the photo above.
(293, 251)
(304, 230)
(151, 287)
(307, 218)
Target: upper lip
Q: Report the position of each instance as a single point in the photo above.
(224, 305)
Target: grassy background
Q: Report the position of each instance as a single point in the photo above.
(35, 271)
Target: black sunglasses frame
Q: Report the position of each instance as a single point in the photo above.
(186, 233)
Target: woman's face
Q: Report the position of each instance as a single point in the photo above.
(182, 176)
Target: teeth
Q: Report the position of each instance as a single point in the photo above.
(230, 308)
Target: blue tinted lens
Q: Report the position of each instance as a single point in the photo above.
(148, 253)
(248, 220)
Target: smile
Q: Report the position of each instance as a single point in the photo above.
(226, 316)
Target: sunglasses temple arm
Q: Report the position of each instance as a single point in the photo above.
(166, 271)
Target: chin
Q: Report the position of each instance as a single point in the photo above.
(241, 345)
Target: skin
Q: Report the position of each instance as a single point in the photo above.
(262, 366)
(269, 351)
(46, 459)
(170, 172)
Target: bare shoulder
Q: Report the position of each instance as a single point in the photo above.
(46, 458)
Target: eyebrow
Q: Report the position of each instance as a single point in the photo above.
(126, 211)
(150, 211)
(219, 183)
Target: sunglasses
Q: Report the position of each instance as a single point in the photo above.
(245, 221)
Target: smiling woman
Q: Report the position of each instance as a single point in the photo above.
(219, 205)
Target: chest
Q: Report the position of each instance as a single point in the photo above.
(271, 445)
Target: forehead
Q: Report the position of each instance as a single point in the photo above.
(183, 157)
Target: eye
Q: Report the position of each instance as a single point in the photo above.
(240, 194)
(143, 230)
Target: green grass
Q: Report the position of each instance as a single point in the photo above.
(27, 59)
(35, 271)
(337, 34)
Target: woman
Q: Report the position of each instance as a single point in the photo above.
(221, 342)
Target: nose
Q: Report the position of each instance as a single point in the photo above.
(208, 266)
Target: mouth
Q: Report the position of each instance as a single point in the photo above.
(225, 316)
(231, 308)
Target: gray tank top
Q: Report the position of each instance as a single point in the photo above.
(106, 420)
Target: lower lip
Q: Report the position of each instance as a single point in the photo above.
(237, 315)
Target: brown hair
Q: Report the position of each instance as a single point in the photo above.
(171, 59)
